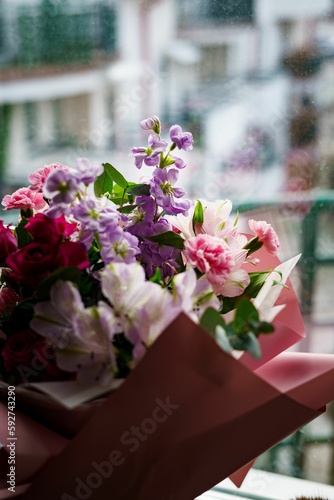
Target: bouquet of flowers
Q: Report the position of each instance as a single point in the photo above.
(103, 279)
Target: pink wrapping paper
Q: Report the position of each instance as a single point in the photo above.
(201, 415)
(34, 446)
(49, 412)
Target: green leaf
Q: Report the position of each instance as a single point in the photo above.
(139, 189)
(198, 217)
(118, 191)
(103, 184)
(115, 175)
(22, 235)
(253, 245)
(64, 273)
(117, 200)
(275, 282)
(210, 320)
(20, 317)
(222, 339)
(256, 281)
(93, 253)
(253, 346)
(168, 238)
(235, 223)
(265, 327)
(246, 311)
(229, 304)
(127, 209)
(156, 278)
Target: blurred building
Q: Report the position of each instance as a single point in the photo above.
(53, 80)
(77, 76)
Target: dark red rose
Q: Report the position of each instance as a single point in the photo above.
(27, 356)
(8, 242)
(71, 253)
(31, 263)
(8, 300)
(44, 230)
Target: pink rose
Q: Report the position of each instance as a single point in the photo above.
(24, 198)
(211, 255)
(39, 177)
(8, 243)
(265, 234)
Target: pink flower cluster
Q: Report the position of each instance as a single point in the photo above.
(266, 235)
(211, 255)
(31, 198)
(216, 248)
(23, 199)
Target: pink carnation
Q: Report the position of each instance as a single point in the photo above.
(211, 255)
(24, 198)
(39, 177)
(265, 234)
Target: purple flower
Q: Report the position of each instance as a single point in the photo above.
(86, 171)
(119, 246)
(96, 214)
(178, 162)
(165, 194)
(151, 123)
(154, 256)
(183, 140)
(163, 257)
(151, 155)
(57, 210)
(141, 219)
(61, 187)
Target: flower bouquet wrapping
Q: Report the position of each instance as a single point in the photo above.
(143, 336)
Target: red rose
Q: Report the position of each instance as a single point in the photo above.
(36, 260)
(27, 356)
(31, 263)
(8, 300)
(8, 243)
(44, 230)
(71, 253)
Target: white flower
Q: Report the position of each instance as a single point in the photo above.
(193, 295)
(143, 309)
(271, 289)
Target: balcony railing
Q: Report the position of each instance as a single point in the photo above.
(53, 32)
(216, 12)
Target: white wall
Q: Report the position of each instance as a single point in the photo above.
(291, 8)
